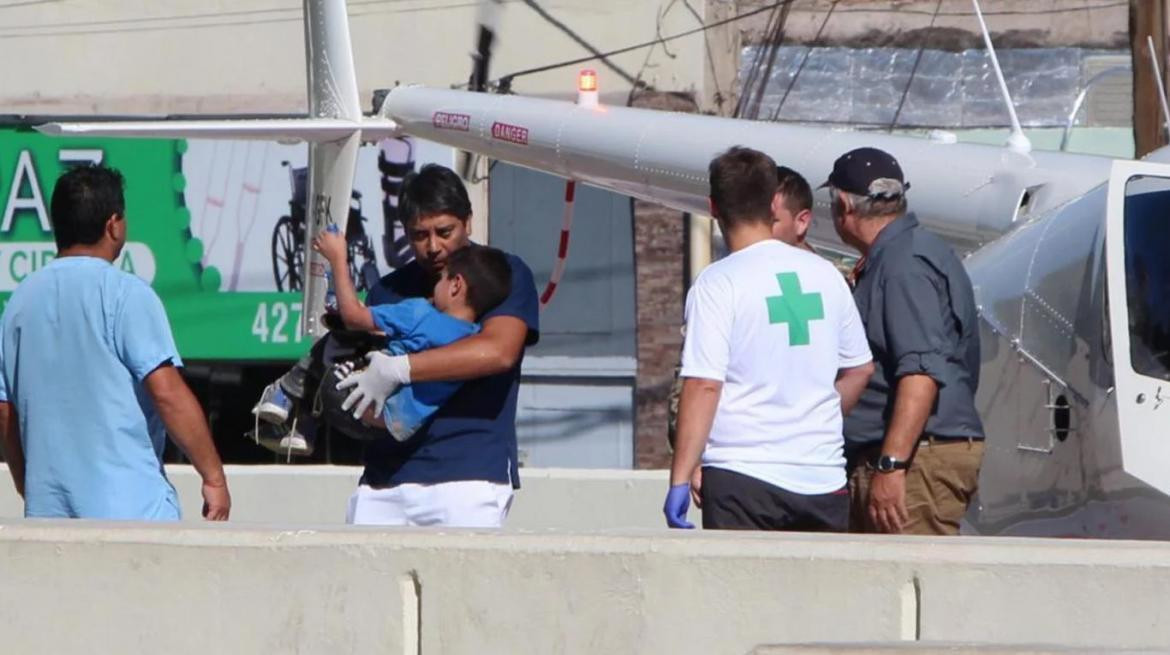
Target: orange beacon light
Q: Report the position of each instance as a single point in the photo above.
(587, 88)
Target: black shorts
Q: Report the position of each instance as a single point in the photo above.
(733, 501)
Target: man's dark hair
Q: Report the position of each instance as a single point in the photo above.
(743, 182)
(487, 273)
(431, 191)
(797, 193)
(83, 200)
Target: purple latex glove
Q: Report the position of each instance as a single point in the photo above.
(678, 499)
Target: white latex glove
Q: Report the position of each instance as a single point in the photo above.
(382, 377)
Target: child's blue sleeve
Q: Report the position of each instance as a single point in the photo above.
(401, 319)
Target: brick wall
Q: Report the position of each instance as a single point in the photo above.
(659, 261)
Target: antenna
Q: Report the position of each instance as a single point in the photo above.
(1017, 141)
(1158, 78)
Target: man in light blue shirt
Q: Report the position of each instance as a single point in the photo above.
(89, 384)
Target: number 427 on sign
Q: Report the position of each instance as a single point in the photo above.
(278, 322)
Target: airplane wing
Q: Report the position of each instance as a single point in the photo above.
(969, 194)
(286, 130)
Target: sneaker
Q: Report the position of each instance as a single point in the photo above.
(295, 444)
(274, 405)
(266, 435)
(276, 439)
(300, 437)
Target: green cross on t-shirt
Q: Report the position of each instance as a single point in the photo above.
(795, 308)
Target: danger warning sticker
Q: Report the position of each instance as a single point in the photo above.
(446, 121)
(510, 133)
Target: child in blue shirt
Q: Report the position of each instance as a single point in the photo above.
(475, 280)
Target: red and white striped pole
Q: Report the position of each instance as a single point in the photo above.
(587, 96)
(563, 247)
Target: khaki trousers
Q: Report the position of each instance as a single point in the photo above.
(942, 479)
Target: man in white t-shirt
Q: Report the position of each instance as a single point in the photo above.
(775, 352)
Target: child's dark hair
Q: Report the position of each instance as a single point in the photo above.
(487, 273)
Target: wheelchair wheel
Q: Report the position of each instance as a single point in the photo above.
(288, 256)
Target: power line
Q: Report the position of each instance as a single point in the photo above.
(25, 3)
(1001, 12)
(58, 29)
(580, 40)
(775, 32)
(359, 3)
(803, 61)
(147, 19)
(638, 84)
(774, 42)
(188, 21)
(753, 72)
(719, 96)
(914, 68)
(506, 80)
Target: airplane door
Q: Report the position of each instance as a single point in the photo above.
(1137, 251)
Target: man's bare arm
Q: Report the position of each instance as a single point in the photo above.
(495, 349)
(851, 383)
(10, 442)
(185, 422)
(913, 402)
(696, 413)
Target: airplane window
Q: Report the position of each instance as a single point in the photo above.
(1147, 273)
(1061, 418)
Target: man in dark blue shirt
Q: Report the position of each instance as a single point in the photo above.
(460, 468)
(914, 441)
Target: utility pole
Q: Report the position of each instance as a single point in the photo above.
(1147, 18)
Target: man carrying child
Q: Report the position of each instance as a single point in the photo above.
(475, 281)
(458, 467)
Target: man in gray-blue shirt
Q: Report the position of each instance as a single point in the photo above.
(914, 440)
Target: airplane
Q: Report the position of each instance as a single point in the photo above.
(1067, 254)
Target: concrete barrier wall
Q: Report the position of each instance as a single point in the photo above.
(581, 499)
(81, 587)
(287, 577)
(923, 647)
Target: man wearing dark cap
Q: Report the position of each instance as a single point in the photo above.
(914, 442)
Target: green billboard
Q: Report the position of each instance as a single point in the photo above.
(213, 227)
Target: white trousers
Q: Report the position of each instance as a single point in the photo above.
(464, 504)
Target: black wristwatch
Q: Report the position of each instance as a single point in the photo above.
(889, 464)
